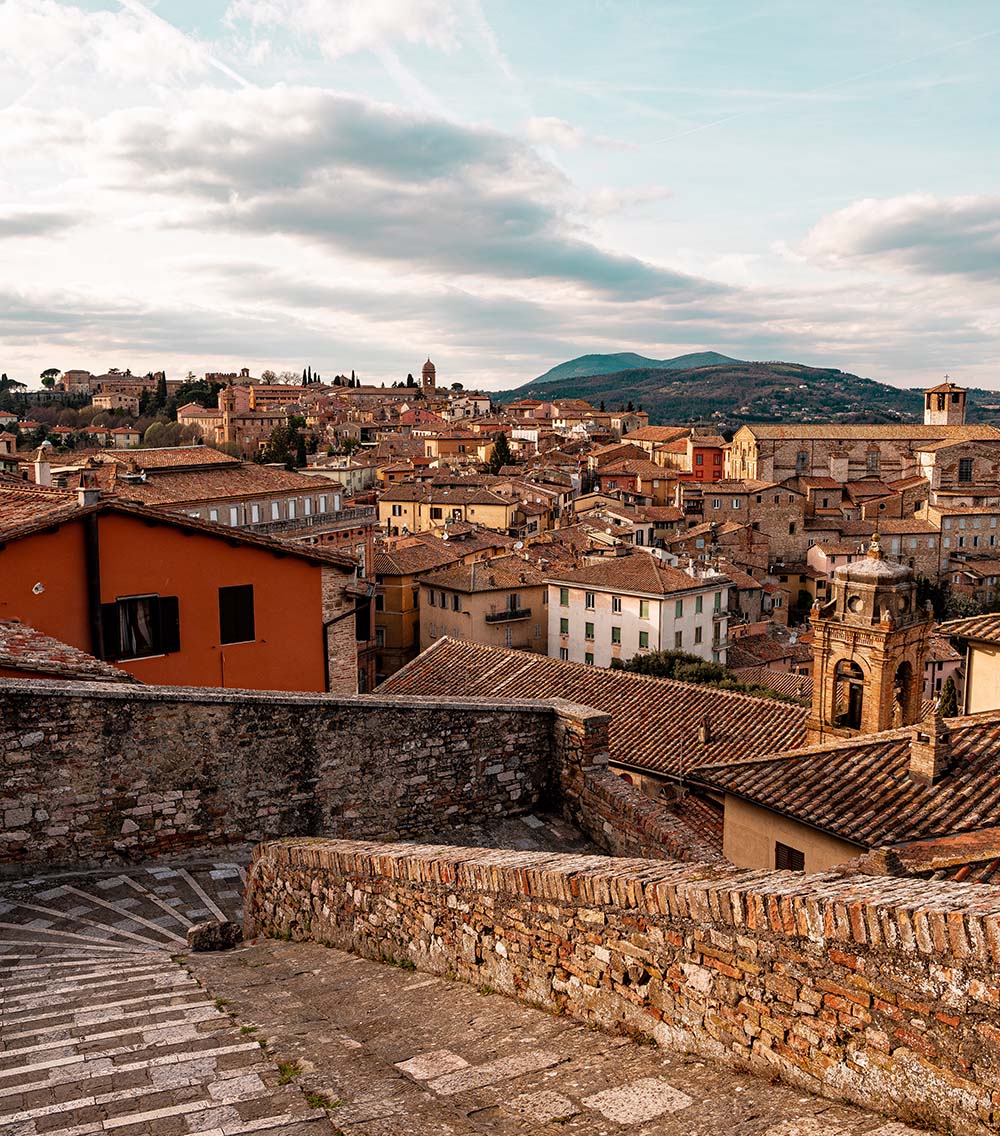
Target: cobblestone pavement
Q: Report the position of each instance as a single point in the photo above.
(108, 1025)
(407, 1054)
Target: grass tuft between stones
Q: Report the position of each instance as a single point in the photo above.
(288, 1071)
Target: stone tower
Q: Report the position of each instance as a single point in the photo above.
(944, 405)
(869, 645)
(227, 404)
(428, 378)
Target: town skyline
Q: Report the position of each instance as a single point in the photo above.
(507, 188)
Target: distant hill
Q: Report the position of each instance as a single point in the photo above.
(731, 393)
(587, 365)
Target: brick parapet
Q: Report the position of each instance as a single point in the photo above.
(881, 991)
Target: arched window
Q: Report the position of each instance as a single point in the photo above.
(848, 694)
(903, 695)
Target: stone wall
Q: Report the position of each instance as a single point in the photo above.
(98, 773)
(880, 992)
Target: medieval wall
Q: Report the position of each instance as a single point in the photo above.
(97, 773)
(884, 992)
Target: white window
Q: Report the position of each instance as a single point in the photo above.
(591, 601)
(736, 503)
(234, 516)
(564, 653)
(291, 508)
(307, 502)
(616, 604)
(254, 514)
(275, 510)
(213, 514)
(322, 504)
(716, 502)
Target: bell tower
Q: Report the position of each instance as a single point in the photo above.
(428, 378)
(944, 405)
(869, 645)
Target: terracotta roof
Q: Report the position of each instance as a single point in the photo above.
(423, 552)
(171, 486)
(169, 457)
(860, 790)
(782, 682)
(22, 648)
(981, 628)
(499, 574)
(638, 572)
(656, 434)
(759, 650)
(636, 467)
(903, 431)
(943, 388)
(23, 504)
(654, 721)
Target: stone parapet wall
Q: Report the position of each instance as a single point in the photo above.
(98, 773)
(883, 992)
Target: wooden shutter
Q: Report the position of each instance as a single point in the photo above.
(170, 625)
(110, 643)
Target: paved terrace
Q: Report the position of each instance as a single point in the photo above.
(108, 1024)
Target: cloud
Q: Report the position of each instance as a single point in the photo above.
(918, 233)
(550, 131)
(45, 38)
(348, 26)
(394, 187)
(36, 223)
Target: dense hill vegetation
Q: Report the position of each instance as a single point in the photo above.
(628, 361)
(732, 393)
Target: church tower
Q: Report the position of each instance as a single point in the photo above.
(944, 405)
(428, 378)
(869, 645)
(227, 404)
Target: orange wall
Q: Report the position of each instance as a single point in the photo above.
(56, 561)
(138, 558)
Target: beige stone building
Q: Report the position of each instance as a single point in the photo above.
(978, 681)
(500, 602)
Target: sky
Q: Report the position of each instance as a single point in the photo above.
(200, 185)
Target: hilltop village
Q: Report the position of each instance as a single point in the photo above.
(237, 609)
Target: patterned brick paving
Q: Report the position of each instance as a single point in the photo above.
(101, 1028)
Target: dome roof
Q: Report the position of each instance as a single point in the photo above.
(874, 569)
(428, 368)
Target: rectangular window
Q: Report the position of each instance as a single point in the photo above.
(872, 459)
(137, 627)
(788, 859)
(616, 634)
(564, 653)
(275, 511)
(234, 516)
(697, 634)
(397, 510)
(508, 636)
(435, 512)
(588, 658)
(588, 631)
(380, 635)
(716, 502)
(564, 597)
(699, 604)
(802, 461)
(644, 609)
(322, 504)
(678, 640)
(616, 604)
(213, 514)
(791, 528)
(737, 504)
(965, 469)
(563, 626)
(591, 601)
(717, 601)
(430, 597)
(699, 459)
(380, 601)
(678, 609)
(236, 624)
(456, 603)
(643, 638)
(254, 514)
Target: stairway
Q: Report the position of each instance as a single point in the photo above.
(102, 1029)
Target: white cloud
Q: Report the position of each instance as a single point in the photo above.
(549, 131)
(918, 233)
(43, 40)
(342, 27)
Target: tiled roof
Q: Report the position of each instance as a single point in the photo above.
(782, 682)
(901, 431)
(169, 457)
(638, 572)
(758, 650)
(22, 648)
(636, 467)
(982, 628)
(943, 388)
(169, 486)
(654, 721)
(22, 504)
(499, 574)
(860, 790)
(423, 552)
(656, 434)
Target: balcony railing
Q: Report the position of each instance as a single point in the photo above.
(351, 516)
(508, 614)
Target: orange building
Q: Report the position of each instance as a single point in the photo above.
(176, 601)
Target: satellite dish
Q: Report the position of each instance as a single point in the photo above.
(518, 544)
(444, 535)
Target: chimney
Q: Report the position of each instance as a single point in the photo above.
(930, 750)
(88, 492)
(705, 731)
(43, 471)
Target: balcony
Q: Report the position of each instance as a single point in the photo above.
(722, 613)
(342, 518)
(508, 615)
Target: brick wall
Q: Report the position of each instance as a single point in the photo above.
(881, 992)
(97, 773)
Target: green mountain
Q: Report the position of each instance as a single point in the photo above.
(587, 365)
(732, 393)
